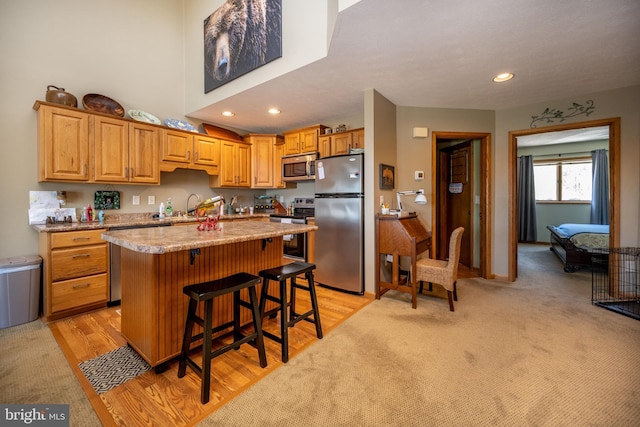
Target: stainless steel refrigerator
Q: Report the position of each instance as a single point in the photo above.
(339, 211)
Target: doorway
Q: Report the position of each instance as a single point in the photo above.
(461, 190)
(614, 182)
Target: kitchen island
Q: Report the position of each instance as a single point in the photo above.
(156, 263)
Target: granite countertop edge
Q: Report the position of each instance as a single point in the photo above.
(131, 220)
(162, 240)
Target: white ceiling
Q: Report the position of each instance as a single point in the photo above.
(444, 54)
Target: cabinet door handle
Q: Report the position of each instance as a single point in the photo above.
(80, 238)
(81, 256)
(85, 169)
(195, 156)
(81, 285)
(188, 155)
(132, 173)
(126, 172)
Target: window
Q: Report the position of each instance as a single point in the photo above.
(566, 180)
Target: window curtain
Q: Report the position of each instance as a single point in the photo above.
(600, 188)
(527, 227)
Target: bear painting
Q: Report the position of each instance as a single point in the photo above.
(240, 36)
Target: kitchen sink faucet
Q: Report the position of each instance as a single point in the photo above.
(198, 200)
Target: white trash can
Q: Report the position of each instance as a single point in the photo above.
(19, 290)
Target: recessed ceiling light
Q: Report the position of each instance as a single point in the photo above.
(503, 77)
(274, 111)
(228, 113)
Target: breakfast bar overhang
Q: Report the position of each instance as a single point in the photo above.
(156, 263)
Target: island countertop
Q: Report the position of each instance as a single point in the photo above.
(160, 240)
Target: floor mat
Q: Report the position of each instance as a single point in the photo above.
(114, 368)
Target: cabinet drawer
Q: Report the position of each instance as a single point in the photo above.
(78, 292)
(78, 262)
(76, 238)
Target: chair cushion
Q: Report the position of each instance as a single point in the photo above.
(434, 271)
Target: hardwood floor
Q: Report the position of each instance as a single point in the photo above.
(164, 399)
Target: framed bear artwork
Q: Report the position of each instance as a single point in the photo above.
(240, 36)
(387, 177)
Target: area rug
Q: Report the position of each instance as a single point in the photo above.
(114, 368)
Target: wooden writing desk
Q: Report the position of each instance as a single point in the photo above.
(400, 236)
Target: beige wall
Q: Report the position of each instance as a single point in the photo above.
(380, 140)
(128, 50)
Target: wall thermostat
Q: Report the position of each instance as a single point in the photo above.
(419, 175)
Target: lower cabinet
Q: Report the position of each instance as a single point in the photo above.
(75, 272)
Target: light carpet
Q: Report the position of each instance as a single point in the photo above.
(530, 353)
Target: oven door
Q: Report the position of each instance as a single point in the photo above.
(295, 245)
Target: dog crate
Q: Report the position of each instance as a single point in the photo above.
(616, 280)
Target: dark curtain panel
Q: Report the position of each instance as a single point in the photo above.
(527, 227)
(600, 190)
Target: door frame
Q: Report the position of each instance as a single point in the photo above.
(486, 215)
(614, 182)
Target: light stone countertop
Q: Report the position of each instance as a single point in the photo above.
(131, 220)
(159, 240)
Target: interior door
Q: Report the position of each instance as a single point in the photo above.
(456, 191)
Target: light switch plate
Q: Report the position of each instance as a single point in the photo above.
(136, 200)
(151, 200)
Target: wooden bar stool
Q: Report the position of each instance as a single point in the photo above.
(207, 292)
(288, 318)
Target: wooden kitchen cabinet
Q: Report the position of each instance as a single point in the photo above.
(63, 144)
(75, 272)
(358, 139)
(235, 165)
(265, 160)
(342, 143)
(187, 150)
(324, 146)
(79, 146)
(303, 140)
(279, 152)
(125, 152)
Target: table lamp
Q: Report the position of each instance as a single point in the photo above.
(420, 198)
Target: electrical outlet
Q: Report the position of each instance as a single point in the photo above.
(419, 175)
(381, 200)
(136, 200)
(151, 200)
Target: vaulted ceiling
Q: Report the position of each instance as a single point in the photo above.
(444, 54)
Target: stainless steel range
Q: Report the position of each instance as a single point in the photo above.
(295, 245)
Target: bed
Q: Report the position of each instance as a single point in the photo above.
(574, 244)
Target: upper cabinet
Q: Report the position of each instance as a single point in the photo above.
(303, 140)
(125, 152)
(324, 145)
(63, 144)
(341, 143)
(189, 150)
(266, 154)
(121, 151)
(235, 165)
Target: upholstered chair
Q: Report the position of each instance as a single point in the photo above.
(444, 273)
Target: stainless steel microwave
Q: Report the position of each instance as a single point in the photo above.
(299, 167)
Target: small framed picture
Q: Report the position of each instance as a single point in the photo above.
(387, 177)
(107, 200)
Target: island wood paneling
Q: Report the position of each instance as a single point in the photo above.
(153, 304)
